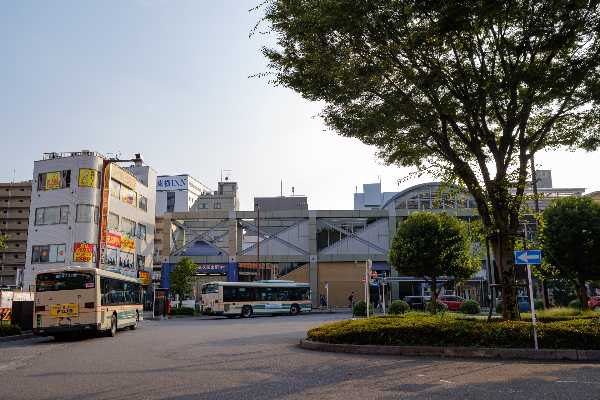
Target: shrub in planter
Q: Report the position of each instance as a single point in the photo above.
(470, 307)
(539, 304)
(576, 304)
(9, 330)
(182, 311)
(399, 307)
(359, 309)
(435, 308)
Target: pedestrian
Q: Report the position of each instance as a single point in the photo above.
(323, 301)
(351, 300)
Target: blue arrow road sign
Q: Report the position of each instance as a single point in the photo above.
(523, 257)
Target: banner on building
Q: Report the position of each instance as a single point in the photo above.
(88, 177)
(53, 180)
(83, 252)
(127, 244)
(120, 175)
(113, 239)
(144, 277)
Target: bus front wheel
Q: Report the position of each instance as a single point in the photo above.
(113, 326)
(294, 309)
(247, 312)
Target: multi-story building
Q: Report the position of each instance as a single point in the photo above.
(178, 193)
(372, 198)
(14, 219)
(225, 198)
(281, 203)
(87, 210)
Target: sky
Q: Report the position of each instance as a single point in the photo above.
(172, 80)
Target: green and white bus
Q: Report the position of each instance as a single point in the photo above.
(246, 299)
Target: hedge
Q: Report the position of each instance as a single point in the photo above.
(421, 330)
(359, 309)
(9, 330)
(399, 307)
(470, 307)
(182, 311)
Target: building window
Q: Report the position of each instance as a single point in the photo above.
(115, 189)
(203, 206)
(52, 215)
(217, 205)
(128, 196)
(141, 231)
(142, 203)
(54, 180)
(89, 178)
(170, 201)
(113, 222)
(85, 213)
(141, 261)
(51, 253)
(128, 227)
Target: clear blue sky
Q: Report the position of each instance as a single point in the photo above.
(169, 79)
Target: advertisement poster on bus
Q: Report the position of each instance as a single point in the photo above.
(83, 252)
(52, 180)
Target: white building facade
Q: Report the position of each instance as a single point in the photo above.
(76, 197)
(177, 193)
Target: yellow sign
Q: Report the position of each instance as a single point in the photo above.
(144, 277)
(64, 310)
(52, 180)
(120, 175)
(127, 244)
(83, 252)
(88, 177)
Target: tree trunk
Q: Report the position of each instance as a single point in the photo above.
(504, 253)
(433, 295)
(544, 283)
(582, 293)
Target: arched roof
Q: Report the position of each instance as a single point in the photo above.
(419, 188)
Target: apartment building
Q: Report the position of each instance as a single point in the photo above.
(15, 199)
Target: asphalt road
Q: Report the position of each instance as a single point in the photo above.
(259, 359)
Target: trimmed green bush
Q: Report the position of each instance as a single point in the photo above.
(9, 330)
(359, 309)
(435, 308)
(539, 305)
(419, 330)
(576, 304)
(399, 307)
(470, 307)
(182, 311)
(560, 314)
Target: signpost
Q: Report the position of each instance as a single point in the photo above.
(528, 258)
(368, 266)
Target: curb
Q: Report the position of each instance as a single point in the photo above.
(458, 352)
(16, 337)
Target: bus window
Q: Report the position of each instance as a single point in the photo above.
(210, 289)
(49, 282)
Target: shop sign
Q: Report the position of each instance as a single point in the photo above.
(144, 277)
(83, 252)
(88, 177)
(53, 180)
(127, 244)
(113, 239)
(171, 183)
(211, 269)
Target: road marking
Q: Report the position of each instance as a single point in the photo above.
(586, 382)
(441, 380)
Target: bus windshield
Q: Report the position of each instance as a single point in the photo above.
(49, 282)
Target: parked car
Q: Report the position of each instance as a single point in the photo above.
(594, 303)
(453, 302)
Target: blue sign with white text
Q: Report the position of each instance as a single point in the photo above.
(524, 257)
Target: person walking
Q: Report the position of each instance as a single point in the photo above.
(351, 300)
(323, 301)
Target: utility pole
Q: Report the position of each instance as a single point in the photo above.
(529, 281)
(258, 270)
(536, 203)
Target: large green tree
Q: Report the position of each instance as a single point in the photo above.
(570, 238)
(182, 278)
(430, 246)
(469, 89)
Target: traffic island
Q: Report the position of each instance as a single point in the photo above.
(451, 336)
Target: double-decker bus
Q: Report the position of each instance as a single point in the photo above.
(246, 299)
(72, 300)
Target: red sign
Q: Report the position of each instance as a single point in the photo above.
(113, 239)
(83, 252)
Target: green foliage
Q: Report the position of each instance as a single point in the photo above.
(560, 314)
(570, 238)
(469, 91)
(576, 304)
(359, 309)
(539, 305)
(399, 307)
(2, 242)
(419, 330)
(182, 311)
(9, 330)
(470, 307)
(435, 307)
(562, 291)
(182, 277)
(433, 245)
